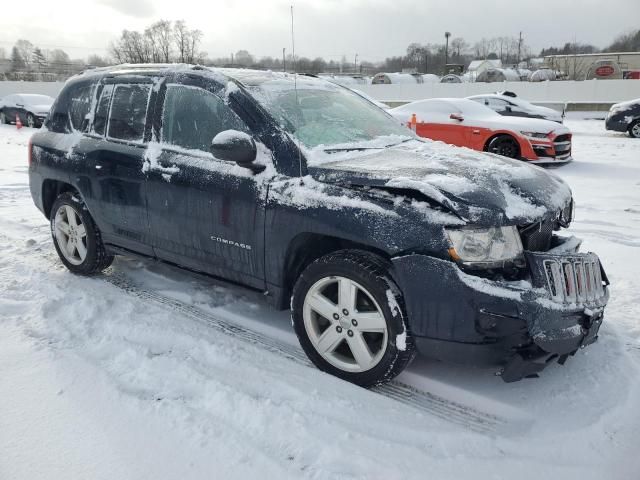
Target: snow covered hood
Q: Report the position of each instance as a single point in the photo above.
(480, 188)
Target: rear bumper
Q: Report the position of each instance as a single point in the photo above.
(518, 328)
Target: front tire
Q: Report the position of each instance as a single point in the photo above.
(504, 145)
(76, 237)
(350, 320)
(634, 129)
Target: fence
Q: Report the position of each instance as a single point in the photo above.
(590, 92)
(594, 93)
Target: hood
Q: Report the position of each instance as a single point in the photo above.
(548, 112)
(480, 188)
(43, 107)
(623, 105)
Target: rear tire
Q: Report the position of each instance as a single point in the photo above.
(504, 145)
(76, 237)
(634, 129)
(31, 120)
(365, 339)
(3, 119)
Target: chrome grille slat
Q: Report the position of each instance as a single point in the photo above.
(574, 280)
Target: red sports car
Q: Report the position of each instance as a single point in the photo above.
(466, 123)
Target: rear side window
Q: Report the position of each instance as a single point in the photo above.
(79, 106)
(129, 112)
(193, 116)
(102, 111)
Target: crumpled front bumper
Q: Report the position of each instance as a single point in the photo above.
(518, 327)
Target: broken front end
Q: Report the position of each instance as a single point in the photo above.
(518, 324)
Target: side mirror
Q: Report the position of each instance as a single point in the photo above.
(456, 116)
(236, 146)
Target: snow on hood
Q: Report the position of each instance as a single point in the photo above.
(42, 107)
(480, 188)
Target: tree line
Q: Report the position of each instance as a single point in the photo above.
(165, 41)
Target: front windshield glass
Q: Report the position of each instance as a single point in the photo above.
(323, 114)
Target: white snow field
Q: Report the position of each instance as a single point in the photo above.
(149, 372)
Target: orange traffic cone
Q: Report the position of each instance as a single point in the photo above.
(414, 122)
(18, 122)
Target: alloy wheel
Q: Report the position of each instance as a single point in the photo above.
(71, 234)
(345, 324)
(505, 147)
(31, 122)
(635, 130)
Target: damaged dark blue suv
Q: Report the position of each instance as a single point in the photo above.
(381, 243)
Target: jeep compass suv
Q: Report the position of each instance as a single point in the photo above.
(381, 243)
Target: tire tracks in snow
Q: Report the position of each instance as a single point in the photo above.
(426, 402)
(443, 408)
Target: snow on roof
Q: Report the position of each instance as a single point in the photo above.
(397, 77)
(430, 78)
(476, 64)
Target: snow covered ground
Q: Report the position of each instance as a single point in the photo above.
(148, 372)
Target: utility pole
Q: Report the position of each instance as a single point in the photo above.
(446, 51)
(519, 47)
(355, 64)
(284, 60)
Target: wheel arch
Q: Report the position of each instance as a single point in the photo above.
(307, 247)
(524, 147)
(51, 189)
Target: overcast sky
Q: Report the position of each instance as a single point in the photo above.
(374, 29)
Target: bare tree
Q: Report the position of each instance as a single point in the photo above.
(459, 47)
(132, 47)
(24, 49)
(159, 37)
(187, 43)
(98, 61)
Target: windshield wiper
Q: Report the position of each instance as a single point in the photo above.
(352, 149)
(401, 141)
(359, 149)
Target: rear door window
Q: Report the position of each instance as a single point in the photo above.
(80, 105)
(193, 116)
(129, 112)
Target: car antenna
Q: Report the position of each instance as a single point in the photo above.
(295, 89)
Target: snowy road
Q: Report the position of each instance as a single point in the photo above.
(148, 372)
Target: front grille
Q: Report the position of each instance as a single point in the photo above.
(536, 237)
(575, 279)
(562, 146)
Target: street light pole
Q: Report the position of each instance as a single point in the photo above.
(355, 64)
(284, 60)
(446, 51)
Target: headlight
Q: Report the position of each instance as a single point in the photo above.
(485, 246)
(534, 134)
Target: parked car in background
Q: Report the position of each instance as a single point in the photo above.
(31, 108)
(509, 105)
(466, 123)
(377, 103)
(625, 117)
(381, 243)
